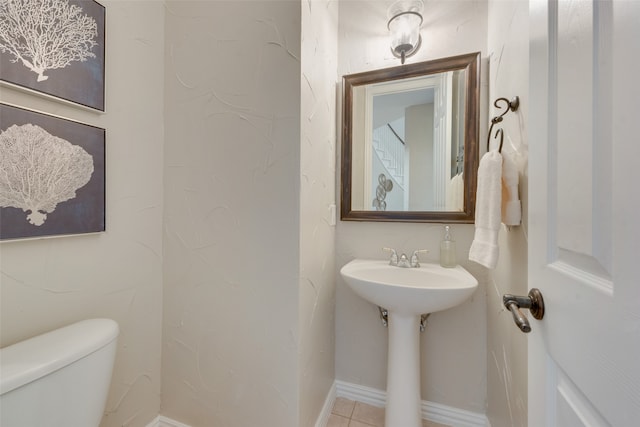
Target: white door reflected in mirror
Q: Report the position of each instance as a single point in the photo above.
(410, 142)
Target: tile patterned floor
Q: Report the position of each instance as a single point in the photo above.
(347, 413)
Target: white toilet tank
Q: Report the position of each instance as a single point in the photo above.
(58, 379)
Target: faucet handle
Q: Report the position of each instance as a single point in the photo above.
(415, 262)
(393, 260)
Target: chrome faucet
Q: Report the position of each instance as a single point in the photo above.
(403, 261)
(415, 262)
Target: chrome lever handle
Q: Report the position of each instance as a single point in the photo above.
(415, 262)
(534, 302)
(393, 259)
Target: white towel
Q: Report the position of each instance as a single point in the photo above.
(455, 194)
(484, 248)
(459, 193)
(511, 208)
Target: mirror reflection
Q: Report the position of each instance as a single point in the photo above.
(409, 135)
(414, 156)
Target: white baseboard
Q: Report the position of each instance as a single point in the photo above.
(323, 418)
(361, 393)
(431, 411)
(325, 413)
(161, 421)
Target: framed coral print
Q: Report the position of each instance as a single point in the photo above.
(54, 47)
(52, 175)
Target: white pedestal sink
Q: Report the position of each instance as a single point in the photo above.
(407, 293)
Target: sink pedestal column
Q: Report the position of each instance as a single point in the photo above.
(403, 371)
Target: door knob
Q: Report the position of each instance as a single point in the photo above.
(534, 302)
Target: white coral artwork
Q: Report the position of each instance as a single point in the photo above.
(46, 34)
(38, 171)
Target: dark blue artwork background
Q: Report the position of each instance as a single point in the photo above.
(83, 214)
(79, 82)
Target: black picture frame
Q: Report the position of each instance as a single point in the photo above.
(60, 156)
(74, 73)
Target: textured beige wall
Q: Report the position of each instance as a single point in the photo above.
(508, 46)
(231, 338)
(50, 283)
(454, 344)
(319, 62)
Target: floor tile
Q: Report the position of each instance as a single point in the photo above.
(368, 414)
(347, 413)
(343, 407)
(354, 423)
(337, 421)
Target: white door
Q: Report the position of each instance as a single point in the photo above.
(584, 212)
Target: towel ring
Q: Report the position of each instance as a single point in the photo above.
(510, 106)
(501, 132)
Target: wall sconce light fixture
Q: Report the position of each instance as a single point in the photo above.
(405, 19)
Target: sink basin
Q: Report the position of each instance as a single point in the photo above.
(407, 293)
(425, 289)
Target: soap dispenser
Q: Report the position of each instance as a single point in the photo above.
(448, 249)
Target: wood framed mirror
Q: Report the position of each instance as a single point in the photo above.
(410, 142)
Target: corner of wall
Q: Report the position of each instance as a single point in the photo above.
(506, 345)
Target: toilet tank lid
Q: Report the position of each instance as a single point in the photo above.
(36, 357)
